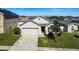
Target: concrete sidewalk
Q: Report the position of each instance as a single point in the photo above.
(55, 49)
(5, 47)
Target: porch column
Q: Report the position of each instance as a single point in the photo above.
(46, 30)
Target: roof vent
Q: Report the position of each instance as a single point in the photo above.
(39, 18)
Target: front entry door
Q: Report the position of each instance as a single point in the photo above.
(43, 29)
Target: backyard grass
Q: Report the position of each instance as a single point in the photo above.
(66, 40)
(8, 38)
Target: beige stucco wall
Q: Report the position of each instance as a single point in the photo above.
(10, 23)
(1, 23)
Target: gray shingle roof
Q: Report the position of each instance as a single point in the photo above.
(72, 20)
(33, 17)
(7, 14)
(65, 22)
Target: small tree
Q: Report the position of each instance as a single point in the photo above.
(55, 29)
(17, 30)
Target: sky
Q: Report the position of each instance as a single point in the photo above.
(45, 11)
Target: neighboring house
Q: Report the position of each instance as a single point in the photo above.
(22, 19)
(8, 20)
(70, 24)
(39, 24)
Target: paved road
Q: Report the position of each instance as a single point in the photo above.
(26, 43)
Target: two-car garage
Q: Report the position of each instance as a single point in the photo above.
(29, 28)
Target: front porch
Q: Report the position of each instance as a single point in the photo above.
(45, 30)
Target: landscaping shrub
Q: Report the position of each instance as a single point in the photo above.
(59, 33)
(76, 35)
(50, 35)
(17, 30)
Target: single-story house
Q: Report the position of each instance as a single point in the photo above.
(69, 24)
(37, 24)
(8, 20)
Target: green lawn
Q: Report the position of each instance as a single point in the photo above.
(8, 38)
(66, 40)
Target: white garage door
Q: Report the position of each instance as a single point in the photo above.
(29, 31)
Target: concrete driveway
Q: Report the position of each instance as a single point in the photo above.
(27, 42)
